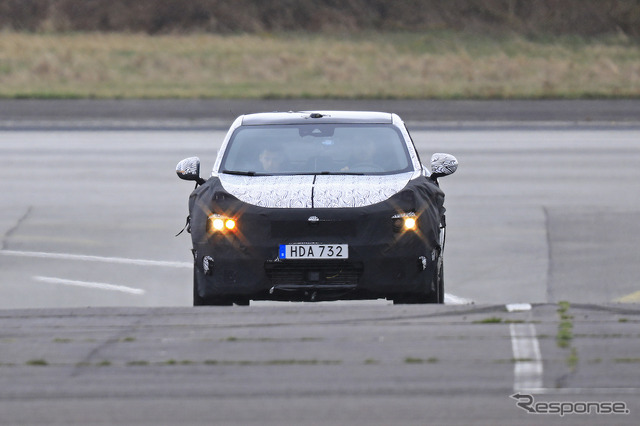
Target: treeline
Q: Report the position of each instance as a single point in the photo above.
(529, 17)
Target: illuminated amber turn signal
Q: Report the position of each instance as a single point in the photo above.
(218, 223)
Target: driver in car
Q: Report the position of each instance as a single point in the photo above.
(272, 159)
(366, 155)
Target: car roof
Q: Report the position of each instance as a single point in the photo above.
(320, 117)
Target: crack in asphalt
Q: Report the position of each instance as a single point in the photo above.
(12, 230)
(123, 332)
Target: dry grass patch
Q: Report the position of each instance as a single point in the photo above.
(431, 65)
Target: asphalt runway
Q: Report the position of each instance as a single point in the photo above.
(316, 364)
(96, 328)
(534, 215)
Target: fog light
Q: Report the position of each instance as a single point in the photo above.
(218, 224)
(230, 224)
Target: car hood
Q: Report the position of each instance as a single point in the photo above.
(314, 191)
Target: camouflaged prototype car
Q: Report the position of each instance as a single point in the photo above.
(323, 205)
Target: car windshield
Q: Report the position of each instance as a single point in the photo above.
(359, 149)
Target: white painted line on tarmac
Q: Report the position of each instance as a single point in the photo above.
(88, 284)
(527, 369)
(451, 299)
(86, 258)
(517, 307)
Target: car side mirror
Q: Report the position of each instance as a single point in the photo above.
(443, 165)
(189, 169)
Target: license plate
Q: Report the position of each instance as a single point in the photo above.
(314, 251)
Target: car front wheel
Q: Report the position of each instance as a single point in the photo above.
(440, 281)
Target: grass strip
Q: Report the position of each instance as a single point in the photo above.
(438, 65)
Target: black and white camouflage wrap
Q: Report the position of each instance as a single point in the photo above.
(188, 167)
(443, 164)
(319, 191)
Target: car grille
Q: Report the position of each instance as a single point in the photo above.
(303, 229)
(304, 273)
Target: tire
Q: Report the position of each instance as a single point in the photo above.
(440, 265)
(440, 281)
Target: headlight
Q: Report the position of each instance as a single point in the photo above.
(410, 223)
(219, 223)
(404, 222)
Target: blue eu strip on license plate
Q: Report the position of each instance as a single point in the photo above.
(313, 251)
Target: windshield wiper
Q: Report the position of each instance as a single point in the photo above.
(341, 173)
(324, 173)
(241, 173)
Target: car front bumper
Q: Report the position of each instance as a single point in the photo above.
(383, 262)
